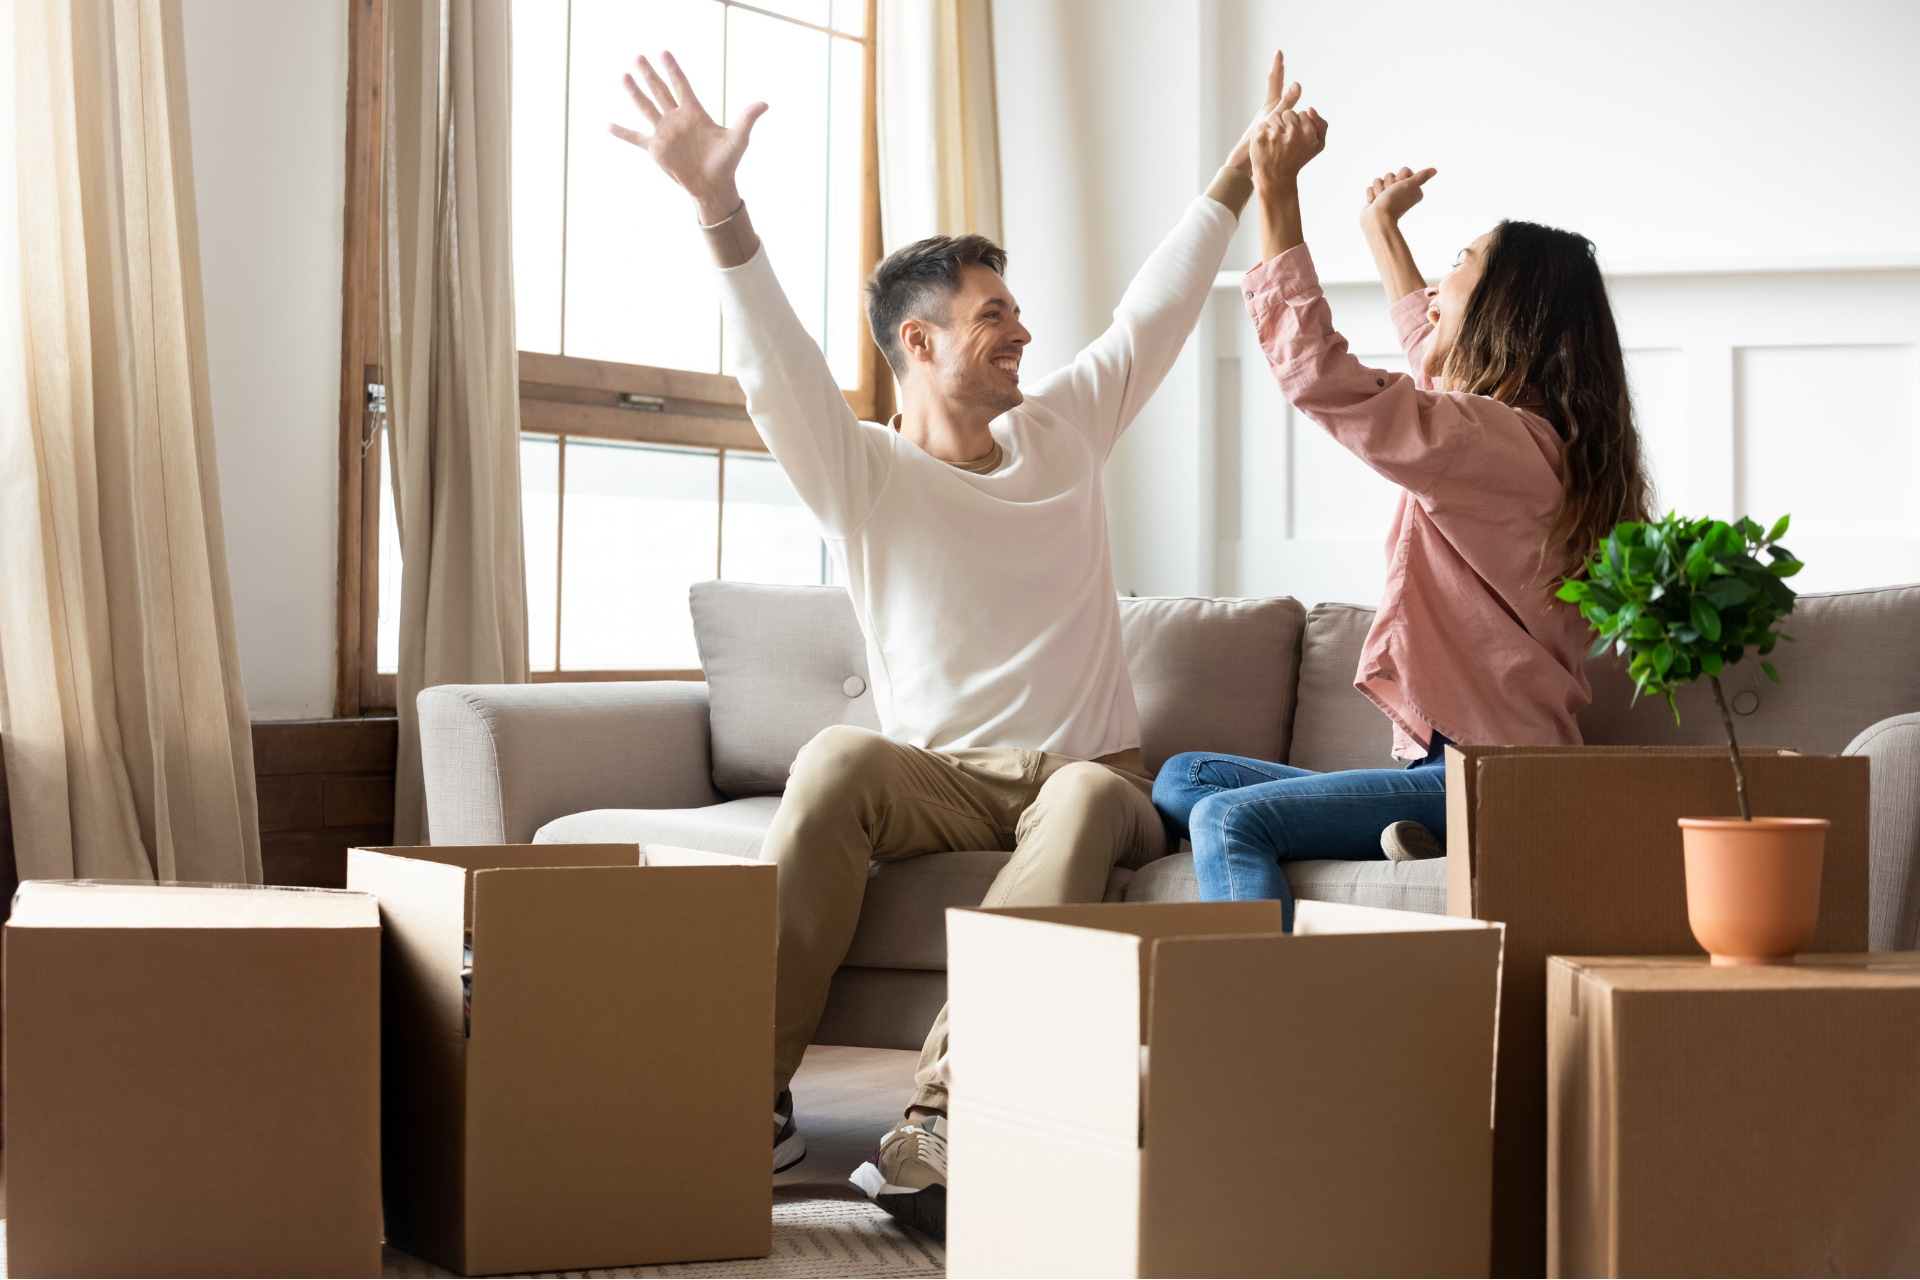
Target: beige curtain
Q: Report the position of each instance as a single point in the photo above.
(128, 752)
(939, 138)
(452, 372)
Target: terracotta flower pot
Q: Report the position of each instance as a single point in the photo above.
(1753, 888)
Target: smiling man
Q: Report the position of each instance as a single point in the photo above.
(973, 534)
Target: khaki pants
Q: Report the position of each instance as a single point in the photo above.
(856, 797)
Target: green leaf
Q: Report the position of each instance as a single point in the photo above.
(1726, 592)
(1779, 528)
(1573, 591)
(1710, 663)
(1600, 646)
(1706, 619)
(1771, 673)
(1663, 657)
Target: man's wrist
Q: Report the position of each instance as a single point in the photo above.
(717, 205)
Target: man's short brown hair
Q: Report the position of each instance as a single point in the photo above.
(917, 282)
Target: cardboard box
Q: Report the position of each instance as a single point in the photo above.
(607, 1102)
(1181, 1089)
(1758, 1121)
(192, 1081)
(1577, 850)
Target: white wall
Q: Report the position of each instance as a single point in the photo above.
(267, 93)
(1733, 163)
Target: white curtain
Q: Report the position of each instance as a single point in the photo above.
(128, 751)
(452, 370)
(939, 138)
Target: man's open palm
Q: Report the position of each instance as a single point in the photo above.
(688, 144)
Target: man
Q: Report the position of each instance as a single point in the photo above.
(973, 533)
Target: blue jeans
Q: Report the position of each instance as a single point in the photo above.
(1246, 817)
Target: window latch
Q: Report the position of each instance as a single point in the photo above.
(643, 404)
(376, 414)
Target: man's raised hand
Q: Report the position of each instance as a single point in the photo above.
(1280, 97)
(1391, 195)
(688, 144)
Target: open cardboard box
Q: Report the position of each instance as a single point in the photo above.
(1720, 1121)
(1577, 850)
(1182, 1089)
(192, 1081)
(605, 1104)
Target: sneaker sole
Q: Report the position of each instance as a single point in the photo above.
(789, 1153)
(925, 1210)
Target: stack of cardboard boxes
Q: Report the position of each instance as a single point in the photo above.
(197, 1078)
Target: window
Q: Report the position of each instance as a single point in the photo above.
(641, 473)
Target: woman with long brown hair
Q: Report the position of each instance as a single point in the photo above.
(1514, 447)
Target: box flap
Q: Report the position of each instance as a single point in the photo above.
(621, 1053)
(85, 904)
(1297, 1085)
(1046, 1021)
(484, 857)
(1312, 917)
(668, 855)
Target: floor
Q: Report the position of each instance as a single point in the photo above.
(844, 1099)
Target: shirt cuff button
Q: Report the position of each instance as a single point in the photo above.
(1379, 382)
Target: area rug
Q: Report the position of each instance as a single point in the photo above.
(810, 1238)
(850, 1238)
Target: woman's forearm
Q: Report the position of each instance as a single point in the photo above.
(1279, 218)
(1390, 253)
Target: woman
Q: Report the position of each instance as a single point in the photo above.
(1515, 451)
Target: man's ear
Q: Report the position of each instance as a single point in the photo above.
(916, 339)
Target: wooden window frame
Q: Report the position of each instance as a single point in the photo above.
(562, 396)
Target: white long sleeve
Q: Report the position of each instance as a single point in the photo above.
(987, 601)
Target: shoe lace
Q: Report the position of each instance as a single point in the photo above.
(929, 1146)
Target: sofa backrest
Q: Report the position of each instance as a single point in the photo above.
(1271, 680)
(1853, 664)
(783, 663)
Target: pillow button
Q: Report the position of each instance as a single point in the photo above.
(853, 686)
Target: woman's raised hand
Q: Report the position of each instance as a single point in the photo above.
(1283, 143)
(688, 144)
(1391, 195)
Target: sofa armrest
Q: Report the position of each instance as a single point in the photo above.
(502, 760)
(1893, 857)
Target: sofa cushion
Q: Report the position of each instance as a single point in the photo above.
(1402, 886)
(1335, 726)
(738, 827)
(1852, 666)
(1212, 675)
(903, 920)
(782, 664)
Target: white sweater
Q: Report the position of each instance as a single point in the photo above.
(987, 601)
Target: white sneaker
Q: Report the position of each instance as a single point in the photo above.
(908, 1175)
(1410, 842)
(789, 1148)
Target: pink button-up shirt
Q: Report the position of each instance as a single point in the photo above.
(1468, 639)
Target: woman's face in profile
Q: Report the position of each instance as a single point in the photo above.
(1447, 302)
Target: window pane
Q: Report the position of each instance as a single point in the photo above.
(784, 175)
(540, 525)
(386, 643)
(846, 124)
(640, 287)
(819, 12)
(539, 168)
(641, 526)
(849, 16)
(768, 536)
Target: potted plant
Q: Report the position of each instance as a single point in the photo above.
(1680, 599)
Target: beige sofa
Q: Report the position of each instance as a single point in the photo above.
(702, 765)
